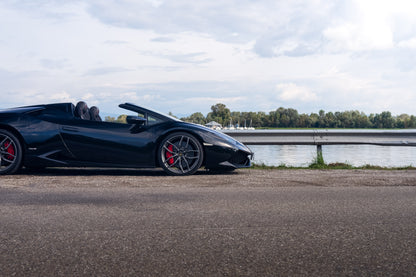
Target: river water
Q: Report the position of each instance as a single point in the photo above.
(356, 155)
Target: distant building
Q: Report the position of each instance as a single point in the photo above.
(213, 125)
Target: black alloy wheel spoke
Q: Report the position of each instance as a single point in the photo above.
(180, 141)
(3, 141)
(4, 153)
(174, 163)
(187, 142)
(181, 168)
(8, 146)
(193, 151)
(7, 160)
(173, 145)
(187, 164)
(167, 149)
(192, 158)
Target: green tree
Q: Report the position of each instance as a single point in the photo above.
(412, 122)
(110, 119)
(387, 120)
(122, 119)
(322, 119)
(172, 115)
(274, 118)
(304, 121)
(283, 117)
(314, 120)
(384, 120)
(197, 118)
(219, 113)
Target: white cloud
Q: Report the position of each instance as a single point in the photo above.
(411, 43)
(129, 96)
(61, 97)
(371, 31)
(359, 37)
(372, 25)
(293, 92)
(184, 56)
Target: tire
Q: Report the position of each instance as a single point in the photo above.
(10, 153)
(180, 154)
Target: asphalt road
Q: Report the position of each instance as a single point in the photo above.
(249, 223)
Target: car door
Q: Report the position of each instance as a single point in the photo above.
(109, 143)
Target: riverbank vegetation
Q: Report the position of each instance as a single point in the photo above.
(291, 118)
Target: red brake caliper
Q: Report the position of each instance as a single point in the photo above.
(10, 150)
(169, 154)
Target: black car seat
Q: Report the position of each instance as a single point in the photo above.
(94, 114)
(82, 111)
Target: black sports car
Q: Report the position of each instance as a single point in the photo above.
(64, 135)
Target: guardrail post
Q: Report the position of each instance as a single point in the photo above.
(319, 156)
(319, 149)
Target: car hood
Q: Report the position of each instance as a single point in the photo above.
(214, 137)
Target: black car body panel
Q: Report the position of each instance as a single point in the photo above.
(52, 135)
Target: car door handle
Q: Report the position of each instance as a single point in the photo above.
(70, 129)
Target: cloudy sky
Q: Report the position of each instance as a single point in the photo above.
(185, 55)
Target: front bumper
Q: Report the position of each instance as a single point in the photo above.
(228, 158)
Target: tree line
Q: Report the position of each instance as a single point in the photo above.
(290, 118)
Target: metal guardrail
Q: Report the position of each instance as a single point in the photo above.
(321, 137)
(325, 137)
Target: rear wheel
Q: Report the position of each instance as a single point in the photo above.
(10, 153)
(180, 154)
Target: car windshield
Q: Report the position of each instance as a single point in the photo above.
(163, 114)
(148, 113)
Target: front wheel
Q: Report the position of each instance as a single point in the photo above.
(180, 154)
(10, 153)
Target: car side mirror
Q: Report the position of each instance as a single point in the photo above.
(136, 120)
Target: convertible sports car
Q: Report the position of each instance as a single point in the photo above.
(64, 135)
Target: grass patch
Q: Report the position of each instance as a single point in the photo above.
(264, 166)
(321, 165)
(369, 166)
(318, 162)
(339, 166)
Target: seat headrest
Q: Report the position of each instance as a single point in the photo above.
(82, 111)
(94, 113)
